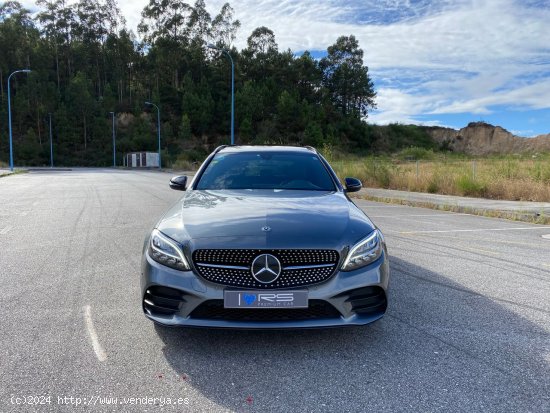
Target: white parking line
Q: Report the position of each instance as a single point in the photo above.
(99, 352)
(5, 230)
(470, 230)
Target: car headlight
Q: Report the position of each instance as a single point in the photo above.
(166, 251)
(364, 252)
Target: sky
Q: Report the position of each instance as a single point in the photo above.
(440, 62)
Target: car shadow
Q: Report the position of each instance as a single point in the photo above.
(440, 347)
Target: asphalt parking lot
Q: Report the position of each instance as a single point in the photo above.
(468, 328)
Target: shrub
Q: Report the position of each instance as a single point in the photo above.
(433, 186)
(416, 153)
(467, 186)
(382, 174)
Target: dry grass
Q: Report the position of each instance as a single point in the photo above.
(15, 172)
(184, 165)
(525, 179)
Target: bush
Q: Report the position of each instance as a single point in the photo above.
(416, 153)
(433, 186)
(184, 165)
(382, 175)
(467, 186)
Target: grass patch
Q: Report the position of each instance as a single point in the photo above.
(470, 187)
(433, 187)
(516, 178)
(16, 172)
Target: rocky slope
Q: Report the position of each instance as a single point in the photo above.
(479, 138)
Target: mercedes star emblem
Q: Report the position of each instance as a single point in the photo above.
(266, 268)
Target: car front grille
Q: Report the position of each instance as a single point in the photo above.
(214, 310)
(232, 267)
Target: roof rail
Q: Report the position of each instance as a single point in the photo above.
(219, 148)
(311, 148)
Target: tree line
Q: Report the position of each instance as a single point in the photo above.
(86, 63)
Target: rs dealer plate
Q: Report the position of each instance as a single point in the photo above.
(265, 299)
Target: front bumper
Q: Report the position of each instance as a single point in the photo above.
(182, 298)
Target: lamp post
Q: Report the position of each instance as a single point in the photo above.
(158, 125)
(114, 140)
(9, 114)
(51, 141)
(226, 52)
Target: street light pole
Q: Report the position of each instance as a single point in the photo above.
(51, 142)
(226, 52)
(158, 126)
(9, 114)
(114, 140)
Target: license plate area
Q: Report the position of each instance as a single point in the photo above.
(265, 299)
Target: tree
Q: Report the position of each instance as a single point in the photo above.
(185, 128)
(81, 101)
(57, 22)
(224, 27)
(289, 112)
(200, 23)
(313, 135)
(15, 10)
(262, 42)
(85, 63)
(17, 37)
(347, 80)
(308, 77)
(51, 20)
(165, 19)
(250, 101)
(199, 104)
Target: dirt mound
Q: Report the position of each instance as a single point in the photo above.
(480, 138)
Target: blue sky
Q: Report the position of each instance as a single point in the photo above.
(440, 62)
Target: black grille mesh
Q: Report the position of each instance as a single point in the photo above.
(243, 258)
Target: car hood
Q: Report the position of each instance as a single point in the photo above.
(264, 219)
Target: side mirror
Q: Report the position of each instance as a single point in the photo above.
(353, 184)
(178, 183)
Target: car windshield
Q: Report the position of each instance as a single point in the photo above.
(266, 170)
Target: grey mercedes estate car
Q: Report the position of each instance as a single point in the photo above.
(265, 237)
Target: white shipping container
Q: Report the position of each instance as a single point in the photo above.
(152, 159)
(142, 160)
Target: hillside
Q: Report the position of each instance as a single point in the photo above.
(480, 138)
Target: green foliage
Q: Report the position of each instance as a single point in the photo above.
(416, 153)
(433, 186)
(86, 64)
(199, 104)
(393, 137)
(246, 130)
(346, 79)
(289, 113)
(382, 173)
(327, 151)
(313, 135)
(470, 187)
(185, 128)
